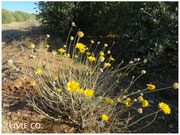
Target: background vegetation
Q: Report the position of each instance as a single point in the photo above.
(142, 29)
(17, 16)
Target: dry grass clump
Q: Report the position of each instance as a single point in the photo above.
(80, 85)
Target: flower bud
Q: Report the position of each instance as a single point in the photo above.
(80, 34)
(175, 85)
(101, 70)
(145, 61)
(143, 71)
(92, 41)
(101, 59)
(72, 38)
(108, 52)
(105, 45)
(47, 35)
(131, 62)
(140, 110)
(98, 42)
(73, 24)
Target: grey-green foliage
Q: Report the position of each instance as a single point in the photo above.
(146, 29)
(17, 16)
(7, 16)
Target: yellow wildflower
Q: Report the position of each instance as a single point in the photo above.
(88, 53)
(32, 83)
(165, 108)
(91, 58)
(54, 77)
(61, 50)
(125, 91)
(128, 102)
(59, 90)
(76, 56)
(110, 101)
(151, 87)
(101, 53)
(80, 91)
(68, 55)
(31, 45)
(38, 71)
(80, 34)
(118, 75)
(144, 103)
(81, 47)
(72, 86)
(89, 93)
(140, 98)
(47, 46)
(105, 117)
(111, 58)
(91, 72)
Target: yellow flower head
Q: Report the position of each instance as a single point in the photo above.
(80, 34)
(68, 55)
(55, 77)
(76, 56)
(91, 58)
(80, 91)
(125, 91)
(151, 87)
(144, 103)
(128, 102)
(165, 108)
(32, 83)
(88, 53)
(89, 93)
(47, 46)
(81, 47)
(91, 72)
(118, 75)
(59, 90)
(126, 74)
(61, 50)
(31, 45)
(105, 117)
(111, 58)
(128, 99)
(110, 101)
(101, 53)
(72, 86)
(38, 71)
(140, 98)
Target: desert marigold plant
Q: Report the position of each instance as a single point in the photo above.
(83, 84)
